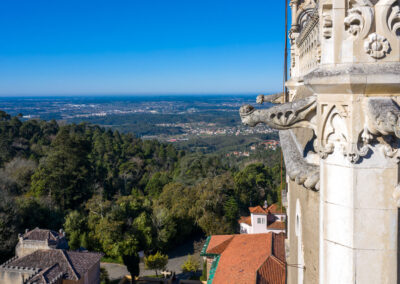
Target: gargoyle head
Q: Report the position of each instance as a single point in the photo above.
(245, 114)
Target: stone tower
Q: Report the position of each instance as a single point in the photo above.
(340, 131)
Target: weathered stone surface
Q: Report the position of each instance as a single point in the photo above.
(289, 115)
(297, 168)
(345, 87)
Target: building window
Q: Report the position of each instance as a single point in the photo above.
(260, 220)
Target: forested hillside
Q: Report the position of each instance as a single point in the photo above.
(115, 193)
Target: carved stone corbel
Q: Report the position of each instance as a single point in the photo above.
(295, 114)
(297, 168)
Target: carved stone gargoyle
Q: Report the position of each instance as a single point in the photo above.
(383, 116)
(298, 114)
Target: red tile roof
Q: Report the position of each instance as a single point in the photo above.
(275, 209)
(277, 225)
(244, 258)
(258, 210)
(272, 271)
(246, 220)
(278, 246)
(217, 240)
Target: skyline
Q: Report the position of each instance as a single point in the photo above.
(137, 48)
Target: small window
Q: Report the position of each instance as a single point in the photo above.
(258, 220)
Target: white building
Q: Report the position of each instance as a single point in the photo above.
(263, 220)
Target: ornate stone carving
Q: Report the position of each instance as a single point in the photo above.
(387, 148)
(274, 99)
(359, 19)
(334, 134)
(299, 113)
(394, 19)
(354, 153)
(333, 131)
(382, 117)
(376, 46)
(297, 168)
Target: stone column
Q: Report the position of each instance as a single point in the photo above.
(357, 143)
(359, 220)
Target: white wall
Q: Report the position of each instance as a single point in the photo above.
(259, 228)
(245, 229)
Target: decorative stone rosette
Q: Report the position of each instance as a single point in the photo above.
(376, 46)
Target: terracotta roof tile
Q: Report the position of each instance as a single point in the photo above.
(272, 271)
(278, 246)
(217, 240)
(246, 220)
(277, 225)
(244, 255)
(220, 248)
(275, 209)
(257, 210)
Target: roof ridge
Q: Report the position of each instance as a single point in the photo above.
(64, 253)
(227, 242)
(280, 262)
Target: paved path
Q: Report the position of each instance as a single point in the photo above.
(115, 270)
(175, 260)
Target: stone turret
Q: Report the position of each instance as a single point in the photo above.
(340, 133)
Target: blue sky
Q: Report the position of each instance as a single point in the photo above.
(140, 47)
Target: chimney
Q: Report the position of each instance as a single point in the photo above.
(26, 231)
(265, 204)
(61, 231)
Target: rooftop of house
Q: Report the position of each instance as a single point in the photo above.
(245, 220)
(244, 258)
(272, 209)
(277, 225)
(55, 262)
(42, 235)
(258, 210)
(275, 208)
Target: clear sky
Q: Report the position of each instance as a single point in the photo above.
(64, 47)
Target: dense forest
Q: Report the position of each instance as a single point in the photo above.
(117, 194)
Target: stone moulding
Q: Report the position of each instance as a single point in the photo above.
(297, 168)
(295, 114)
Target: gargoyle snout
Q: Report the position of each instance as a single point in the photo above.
(245, 115)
